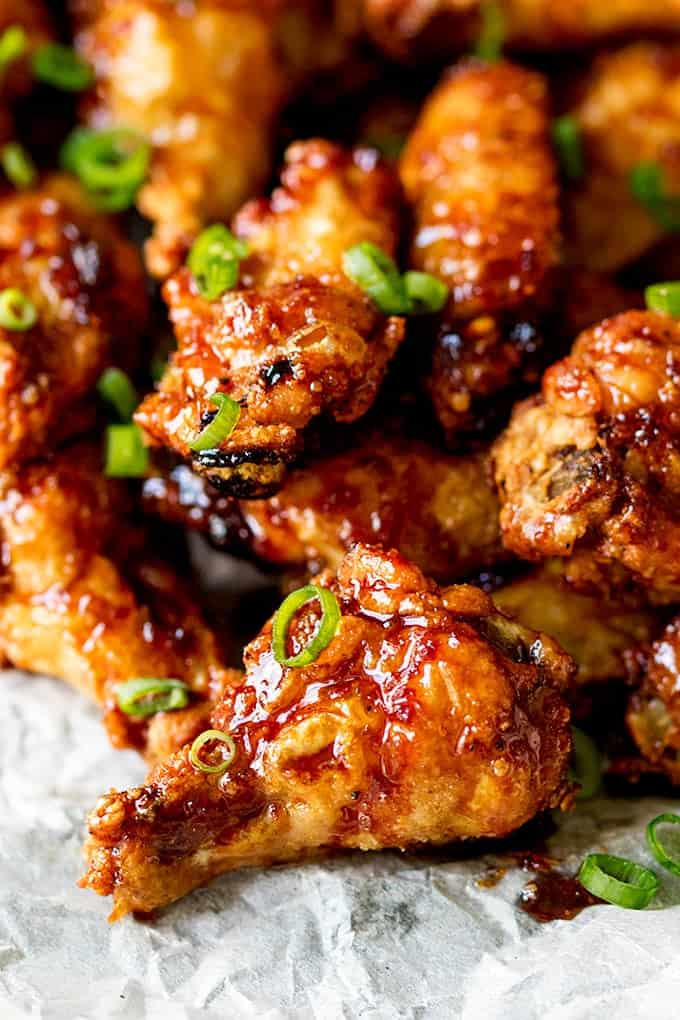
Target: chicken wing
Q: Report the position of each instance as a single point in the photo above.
(299, 339)
(590, 469)
(83, 597)
(82, 275)
(480, 172)
(429, 717)
(653, 715)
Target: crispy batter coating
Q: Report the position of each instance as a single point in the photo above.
(84, 598)
(429, 717)
(629, 113)
(439, 511)
(653, 714)
(299, 340)
(590, 469)
(84, 278)
(480, 172)
(203, 82)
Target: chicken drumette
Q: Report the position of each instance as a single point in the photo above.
(429, 717)
(298, 340)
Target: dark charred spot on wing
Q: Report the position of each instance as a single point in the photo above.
(276, 372)
(579, 469)
(245, 474)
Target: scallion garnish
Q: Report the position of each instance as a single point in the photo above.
(377, 274)
(17, 312)
(586, 765)
(491, 37)
(126, 454)
(13, 44)
(111, 165)
(115, 387)
(664, 297)
(146, 696)
(214, 260)
(17, 165)
(222, 425)
(618, 881)
(228, 751)
(62, 67)
(567, 139)
(648, 187)
(425, 292)
(669, 861)
(328, 625)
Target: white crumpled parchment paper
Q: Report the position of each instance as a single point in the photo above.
(374, 936)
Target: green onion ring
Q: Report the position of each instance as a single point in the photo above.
(647, 186)
(13, 44)
(425, 292)
(203, 739)
(586, 765)
(662, 856)
(283, 618)
(567, 139)
(489, 45)
(146, 696)
(377, 275)
(664, 297)
(115, 387)
(222, 425)
(618, 881)
(126, 454)
(62, 67)
(111, 165)
(18, 165)
(17, 312)
(214, 260)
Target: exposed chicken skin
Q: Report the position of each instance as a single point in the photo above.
(590, 469)
(629, 113)
(439, 511)
(82, 275)
(429, 717)
(83, 597)
(300, 340)
(653, 715)
(480, 172)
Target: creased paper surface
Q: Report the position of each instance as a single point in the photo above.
(372, 936)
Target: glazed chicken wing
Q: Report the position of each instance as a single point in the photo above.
(429, 717)
(299, 340)
(653, 715)
(84, 598)
(84, 279)
(480, 172)
(590, 469)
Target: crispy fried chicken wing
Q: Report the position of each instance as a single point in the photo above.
(84, 598)
(429, 717)
(590, 469)
(653, 715)
(628, 114)
(299, 340)
(84, 279)
(480, 172)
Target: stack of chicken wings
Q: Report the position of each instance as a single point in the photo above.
(419, 384)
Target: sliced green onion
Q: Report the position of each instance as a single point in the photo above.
(17, 165)
(647, 185)
(228, 753)
(111, 165)
(222, 425)
(425, 292)
(17, 312)
(670, 862)
(13, 44)
(126, 454)
(664, 297)
(567, 139)
(146, 696)
(328, 625)
(115, 387)
(377, 274)
(492, 33)
(618, 881)
(214, 260)
(62, 67)
(586, 765)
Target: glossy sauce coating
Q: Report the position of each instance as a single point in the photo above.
(653, 715)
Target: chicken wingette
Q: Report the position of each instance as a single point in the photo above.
(480, 172)
(298, 340)
(427, 717)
